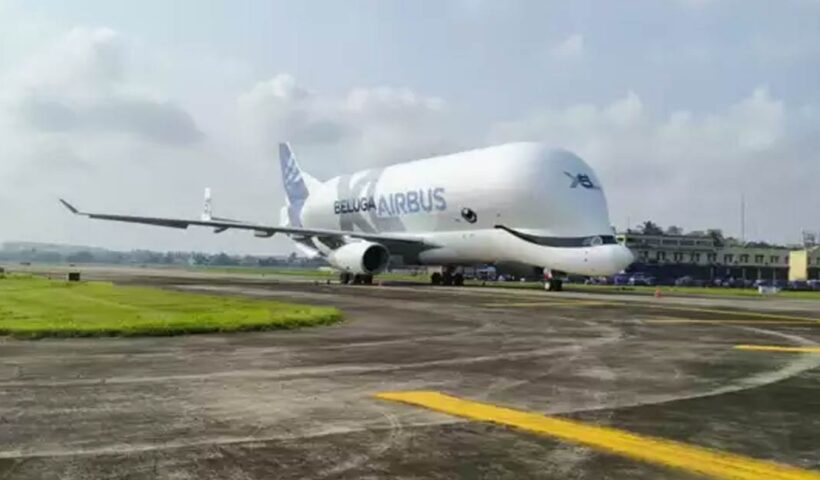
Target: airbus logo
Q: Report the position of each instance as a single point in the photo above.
(581, 179)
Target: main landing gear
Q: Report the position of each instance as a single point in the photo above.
(449, 277)
(346, 278)
(552, 283)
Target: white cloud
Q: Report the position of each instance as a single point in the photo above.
(364, 127)
(77, 120)
(122, 125)
(689, 169)
(570, 47)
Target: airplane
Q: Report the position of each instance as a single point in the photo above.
(522, 203)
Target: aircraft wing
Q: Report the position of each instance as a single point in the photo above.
(401, 242)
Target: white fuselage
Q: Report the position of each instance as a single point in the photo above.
(549, 201)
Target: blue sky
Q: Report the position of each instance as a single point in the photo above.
(680, 105)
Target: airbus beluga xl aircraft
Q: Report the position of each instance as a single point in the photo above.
(520, 202)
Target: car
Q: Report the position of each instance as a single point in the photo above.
(685, 281)
(620, 280)
(761, 283)
(814, 284)
(641, 280)
(799, 285)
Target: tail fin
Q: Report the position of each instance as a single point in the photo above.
(297, 185)
(208, 209)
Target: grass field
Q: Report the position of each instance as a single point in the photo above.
(34, 307)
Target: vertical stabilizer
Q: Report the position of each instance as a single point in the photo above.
(297, 185)
(208, 209)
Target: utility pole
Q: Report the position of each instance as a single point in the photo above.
(742, 218)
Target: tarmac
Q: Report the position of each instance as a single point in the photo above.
(426, 382)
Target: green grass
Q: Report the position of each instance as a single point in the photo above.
(34, 307)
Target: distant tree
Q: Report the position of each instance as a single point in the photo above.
(717, 236)
(651, 228)
(223, 259)
(47, 257)
(673, 230)
(80, 257)
(199, 258)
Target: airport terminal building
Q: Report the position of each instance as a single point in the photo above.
(709, 257)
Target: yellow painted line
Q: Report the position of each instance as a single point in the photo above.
(775, 348)
(674, 321)
(653, 450)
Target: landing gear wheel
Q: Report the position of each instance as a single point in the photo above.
(367, 279)
(435, 279)
(458, 280)
(554, 285)
(447, 279)
(345, 278)
(358, 279)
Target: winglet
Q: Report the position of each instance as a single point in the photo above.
(70, 207)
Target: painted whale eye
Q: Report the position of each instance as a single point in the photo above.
(595, 241)
(469, 215)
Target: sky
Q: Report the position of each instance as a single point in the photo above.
(681, 106)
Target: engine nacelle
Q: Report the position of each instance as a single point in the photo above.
(363, 257)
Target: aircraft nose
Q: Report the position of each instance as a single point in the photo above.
(611, 259)
(622, 257)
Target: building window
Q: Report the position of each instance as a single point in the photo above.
(759, 258)
(670, 242)
(644, 255)
(711, 257)
(696, 257)
(687, 243)
(678, 256)
(774, 259)
(728, 258)
(744, 258)
(661, 255)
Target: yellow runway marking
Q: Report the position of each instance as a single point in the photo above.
(775, 348)
(668, 453)
(674, 321)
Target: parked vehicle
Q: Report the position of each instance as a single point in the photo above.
(799, 285)
(761, 283)
(641, 280)
(814, 284)
(685, 281)
(620, 280)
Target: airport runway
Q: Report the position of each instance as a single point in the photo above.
(302, 404)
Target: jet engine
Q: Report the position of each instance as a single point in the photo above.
(362, 258)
